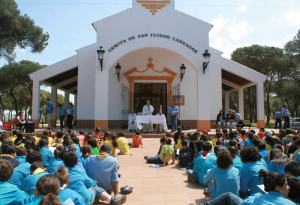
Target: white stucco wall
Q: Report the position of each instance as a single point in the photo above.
(162, 58)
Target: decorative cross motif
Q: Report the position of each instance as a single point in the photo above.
(150, 65)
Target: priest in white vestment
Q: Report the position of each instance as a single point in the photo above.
(148, 110)
(132, 121)
(164, 126)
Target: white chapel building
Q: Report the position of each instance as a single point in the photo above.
(150, 44)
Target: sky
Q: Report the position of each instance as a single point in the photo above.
(237, 23)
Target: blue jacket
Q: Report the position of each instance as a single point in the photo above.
(224, 180)
(249, 177)
(47, 155)
(80, 183)
(202, 164)
(277, 166)
(67, 193)
(11, 194)
(54, 164)
(272, 198)
(29, 183)
(21, 159)
(237, 163)
(20, 173)
(248, 143)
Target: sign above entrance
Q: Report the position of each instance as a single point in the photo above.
(153, 6)
(153, 35)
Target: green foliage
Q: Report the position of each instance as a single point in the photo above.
(16, 85)
(271, 61)
(18, 30)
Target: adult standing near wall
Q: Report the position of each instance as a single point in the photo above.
(148, 109)
(285, 114)
(49, 111)
(277, 118)
(70, 116)
(173, 112)
(62, 115)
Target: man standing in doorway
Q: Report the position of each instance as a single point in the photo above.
(277, 118)
(285, 114)
(148, 110)
(173, 112)
(49, 112)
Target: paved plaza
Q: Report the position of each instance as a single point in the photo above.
(164, 185)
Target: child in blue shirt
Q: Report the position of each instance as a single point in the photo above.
(237, 162)
(21, 154)
(86, 186)
(10, 194)
(262, 150)
(56, 161)
(248, 142)
(65, 193)
(45, 152)
(277, 162)
(292, 169)
(29, 183)
(23, 170)
(205, 162)
(249, 173)
(223, 178)
(86, 152)
(47, 190)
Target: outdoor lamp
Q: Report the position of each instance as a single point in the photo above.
(118, 70)
(206, 56)
(182, 71)
(100, 52)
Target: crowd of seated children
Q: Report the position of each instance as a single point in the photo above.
(36, 172)
(65, 193)
(23, 170)
(224, 177)
(10, 193)
(279, 190)
(137, 140)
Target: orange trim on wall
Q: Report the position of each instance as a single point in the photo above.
(260, 123)
(131, 80)
(203, 125)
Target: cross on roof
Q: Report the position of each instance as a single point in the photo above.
(150, 60)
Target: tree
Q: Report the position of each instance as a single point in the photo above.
(270, 61)
(18, 30)
(292, 48)
(16, 84)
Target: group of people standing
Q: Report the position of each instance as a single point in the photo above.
(283, 114)
(62, 112)
(231, 119)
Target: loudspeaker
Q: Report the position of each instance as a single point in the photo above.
(185, 127)
(30, 127)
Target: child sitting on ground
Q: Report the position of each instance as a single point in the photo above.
(97, 134)
(10, 194)
(21, 154)
(36, 172)
(47, 190)
(167, 151)
(155, 160)
(58, 140)
(262, 150)
(86, 186)
(123, 144)
(86, 152)
(179, 145)
(65, 193)
(94, 144)
(56, 161)
(203, 163)
(261, 133)
(111, 140)
(45, 151)
(137, 140)
(185, 154)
